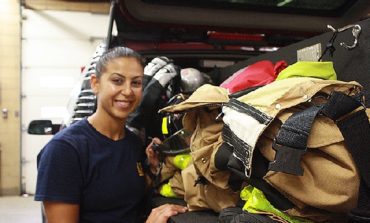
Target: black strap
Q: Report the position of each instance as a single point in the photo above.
(291, 141)
(356, 132)
(355, 129)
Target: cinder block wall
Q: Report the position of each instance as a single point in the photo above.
(10, 97)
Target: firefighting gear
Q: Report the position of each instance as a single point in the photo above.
(155, 64)
(175, 144)
(165, 74)
(145, 118)
(153, 67)
(191, 79)
(256, 202)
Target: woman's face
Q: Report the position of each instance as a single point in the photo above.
(119, 88)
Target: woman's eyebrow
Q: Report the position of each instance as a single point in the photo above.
(122, 75)
(138, 77)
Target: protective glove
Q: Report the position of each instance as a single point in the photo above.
(145, 116)
(164, 75)
(152, 68)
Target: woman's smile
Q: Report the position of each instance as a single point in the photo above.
(123, 104)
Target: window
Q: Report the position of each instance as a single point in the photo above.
(322, 7)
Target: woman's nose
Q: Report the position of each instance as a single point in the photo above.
(126, 88)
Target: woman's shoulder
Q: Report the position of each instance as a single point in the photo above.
(76, 127)
(70, 140)
(73, 133)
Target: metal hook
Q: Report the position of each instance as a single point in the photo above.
(356, 30)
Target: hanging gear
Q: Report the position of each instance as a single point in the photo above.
(172, 123)
(191, 79)
(153, 67)
(145, 119)
(165, 74)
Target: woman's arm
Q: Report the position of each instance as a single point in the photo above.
(58, 212)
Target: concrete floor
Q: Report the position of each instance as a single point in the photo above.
(18, 209)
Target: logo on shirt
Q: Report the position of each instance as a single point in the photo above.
(140, 170)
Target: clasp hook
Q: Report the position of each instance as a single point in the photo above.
(356, 30)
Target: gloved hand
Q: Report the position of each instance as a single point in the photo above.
(146, 113)
(164, 75)
(153, 66)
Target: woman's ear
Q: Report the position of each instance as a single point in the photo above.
(94, 83)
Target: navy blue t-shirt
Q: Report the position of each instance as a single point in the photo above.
(82, 166)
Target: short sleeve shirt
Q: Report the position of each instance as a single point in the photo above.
(82, 166)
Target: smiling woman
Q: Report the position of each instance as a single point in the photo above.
(94, 170)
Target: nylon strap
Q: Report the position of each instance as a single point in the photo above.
(355, 129)
(291, 141)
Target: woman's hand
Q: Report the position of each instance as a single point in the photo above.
(152, 155)
(162, 213)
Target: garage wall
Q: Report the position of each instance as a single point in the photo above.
(55, 45)
(9, 97)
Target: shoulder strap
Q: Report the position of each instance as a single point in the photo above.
(291, 142)
(355, 129)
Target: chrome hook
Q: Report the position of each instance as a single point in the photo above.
(356, 30)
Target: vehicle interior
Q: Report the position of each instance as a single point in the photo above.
(188, 32)
(246, 31)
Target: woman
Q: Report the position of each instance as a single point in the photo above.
(93, 170)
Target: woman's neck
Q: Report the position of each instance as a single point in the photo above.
(113, 129)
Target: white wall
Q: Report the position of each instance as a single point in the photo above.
(55, 45)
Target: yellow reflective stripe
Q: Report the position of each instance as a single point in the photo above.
(164, 126)
(166, 191)
(256, 202)
(182, 161)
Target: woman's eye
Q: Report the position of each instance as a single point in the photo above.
(117, 81)
(137, 83)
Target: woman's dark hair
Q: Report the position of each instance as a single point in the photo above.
(114, 53)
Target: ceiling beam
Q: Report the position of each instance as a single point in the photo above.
(68, 5)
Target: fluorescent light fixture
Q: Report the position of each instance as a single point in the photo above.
(268, 49)
(283, 3)
(48, 112)
(57, 82)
